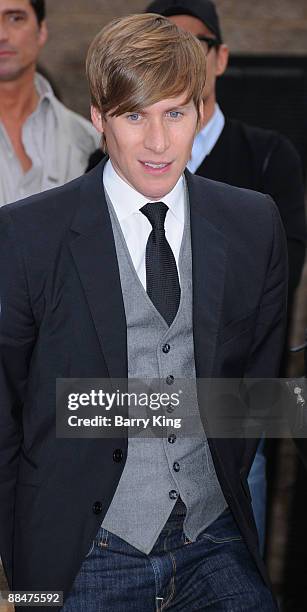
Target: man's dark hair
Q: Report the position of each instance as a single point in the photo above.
(39, 8)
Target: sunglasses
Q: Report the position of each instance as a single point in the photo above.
(210, 42)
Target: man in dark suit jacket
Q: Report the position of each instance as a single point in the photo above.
(136, 270)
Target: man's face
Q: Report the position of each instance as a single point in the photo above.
(21, 38)
(151, 148)
(217, 58)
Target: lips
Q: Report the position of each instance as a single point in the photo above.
(155, 165)
(6, 53)
(152, 167)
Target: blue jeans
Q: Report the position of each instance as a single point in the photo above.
(214, 573)
(257, 484)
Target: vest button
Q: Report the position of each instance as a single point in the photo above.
(118, 455)
(173, 494)
(176, 467)
(97, 507)
(166, 348)
(170, 379)
(172, 438)
(170, 408)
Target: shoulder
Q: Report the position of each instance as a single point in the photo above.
(221, 198)
(42, 215)
(260, 140)
(241, 215)
(81, 131)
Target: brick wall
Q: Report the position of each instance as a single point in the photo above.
(274, 26)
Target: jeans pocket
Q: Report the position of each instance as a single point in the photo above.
(222, 530)
(218, 540)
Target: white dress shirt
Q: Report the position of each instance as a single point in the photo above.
(135, 226)
(206, 139)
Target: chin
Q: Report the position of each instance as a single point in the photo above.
(158, 195)
(162, 190)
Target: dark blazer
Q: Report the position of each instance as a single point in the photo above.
(62, 315)
(263, 160)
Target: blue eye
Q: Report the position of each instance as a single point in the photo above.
(175, 114)
(134, 116)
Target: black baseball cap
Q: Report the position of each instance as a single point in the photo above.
(201, 9)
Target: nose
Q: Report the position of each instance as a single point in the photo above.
(157, 136)
(3, 31)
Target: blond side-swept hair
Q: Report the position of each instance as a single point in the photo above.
(142, 59)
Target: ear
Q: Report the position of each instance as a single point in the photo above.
(222, 56)
(43, 33)
(201, 117)
(97, 119)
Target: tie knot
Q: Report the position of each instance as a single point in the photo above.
(155, 213)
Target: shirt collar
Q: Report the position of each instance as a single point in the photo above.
(46, 96)
(206, 139)
(44, 91)
(43, 87)
(127, 201)
(212, 130)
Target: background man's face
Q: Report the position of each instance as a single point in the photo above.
(216, 58)
(150, 149)
(21, 38)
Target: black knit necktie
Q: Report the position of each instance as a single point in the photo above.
(162, 280)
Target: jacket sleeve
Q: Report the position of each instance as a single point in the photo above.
(283, 180)
(264, 356)
(17, 338)
(265, 352)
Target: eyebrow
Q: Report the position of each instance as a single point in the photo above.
(178, 107)
(17, 11)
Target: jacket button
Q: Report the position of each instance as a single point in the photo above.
(118, 455)
(173, 494)
(170, 379)
(172, 438)
(166, 348)
(176, 467)
(97, 507)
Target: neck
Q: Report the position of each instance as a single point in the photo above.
(18, 98)
(209, 109)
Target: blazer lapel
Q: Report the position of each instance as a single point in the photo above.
(94, 253)
(209, 249)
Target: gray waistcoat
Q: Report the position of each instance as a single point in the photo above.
(142, 504)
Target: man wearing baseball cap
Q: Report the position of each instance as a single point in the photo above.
(232, 152)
